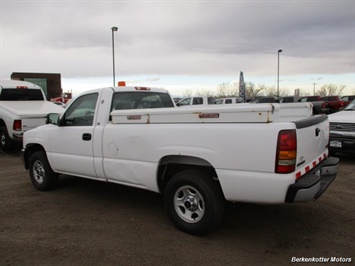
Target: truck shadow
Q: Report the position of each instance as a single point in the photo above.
(285, 225)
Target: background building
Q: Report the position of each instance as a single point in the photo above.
(50, 82)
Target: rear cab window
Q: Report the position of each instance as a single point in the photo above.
(140, 100)
(21, 94)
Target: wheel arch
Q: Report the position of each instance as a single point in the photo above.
(172, 164)
(2, 123)
(30, 149)
(6, 123)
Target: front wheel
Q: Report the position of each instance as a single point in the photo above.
(194, 202)
(42, 176)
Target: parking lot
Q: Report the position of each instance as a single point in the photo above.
(85, 222)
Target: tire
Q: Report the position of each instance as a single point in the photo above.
(42, 176)
(332, 153)
(6, 143)
(194, 202)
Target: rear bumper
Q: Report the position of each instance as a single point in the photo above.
(17, 137)
(312, 185)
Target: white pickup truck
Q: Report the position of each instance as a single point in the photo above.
(197, 157)
(23, 106)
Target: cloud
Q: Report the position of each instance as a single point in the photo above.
(159, 38)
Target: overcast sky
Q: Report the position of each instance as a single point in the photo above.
(181, 45)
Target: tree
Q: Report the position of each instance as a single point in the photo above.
(331, 89)
(304, 93)
(251, 91)
(187, 93)
(204, 92)
(227, 89)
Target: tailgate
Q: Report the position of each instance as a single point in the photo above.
(312, 142)
(30, 123)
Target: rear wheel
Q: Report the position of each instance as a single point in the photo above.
(194, 202)
(42, 175)
(6, 143)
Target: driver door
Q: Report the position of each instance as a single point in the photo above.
(72, 145)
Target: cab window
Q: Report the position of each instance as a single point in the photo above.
(228, 101)
(140, 100)
(197, 101)
(184, 102)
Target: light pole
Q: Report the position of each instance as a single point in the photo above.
(278, 72)
(314, 89)
(113, 53)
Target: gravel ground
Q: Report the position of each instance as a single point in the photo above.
(84, 222)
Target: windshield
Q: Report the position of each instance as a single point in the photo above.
(350, 107)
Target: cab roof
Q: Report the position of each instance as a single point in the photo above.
(138, 88)
(15, 84)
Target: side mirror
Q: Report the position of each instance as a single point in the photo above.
(52, 118)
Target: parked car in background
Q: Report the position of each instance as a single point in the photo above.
(59, 104)
(289, 99)
(265, 100)
(196, 100)
(319, 105)
(334, 103)
(229, 100)
(23, 106)
(342, 130)
(347, 99)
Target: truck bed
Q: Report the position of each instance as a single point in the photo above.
(31, 109)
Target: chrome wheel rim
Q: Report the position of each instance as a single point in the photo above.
(189, 204)
(3, 139)
(38, 172)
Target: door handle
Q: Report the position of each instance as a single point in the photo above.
(317, 132)
(86, 136)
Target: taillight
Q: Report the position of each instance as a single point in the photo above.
(341, 104)
(17, 125)
(286, 152)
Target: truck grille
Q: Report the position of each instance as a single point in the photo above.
(342, 127)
